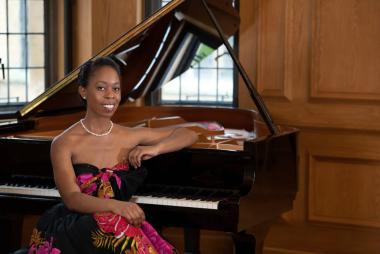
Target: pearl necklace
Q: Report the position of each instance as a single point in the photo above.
(96, 134)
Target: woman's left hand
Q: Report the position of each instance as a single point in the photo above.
(139, 153)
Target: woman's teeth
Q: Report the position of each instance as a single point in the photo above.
(109, 106)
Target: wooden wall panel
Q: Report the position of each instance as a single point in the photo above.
(82, 31)
(344, 191)
(97, 23)
(248, 37)
(111, 19)
(346, 59)
(318, 69)
(271, 53)
(341, 176)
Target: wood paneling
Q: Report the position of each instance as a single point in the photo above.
(111, 19)
(97, 23)
(82, 31)
(344, 191)
(346, 56)
(248, 54)
(341, 174)
(271, 53)
(318, 65)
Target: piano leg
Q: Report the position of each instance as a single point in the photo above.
(252, 242)
(192, 236)
(244, 243)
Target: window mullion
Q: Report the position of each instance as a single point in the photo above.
(7, 39)
(26, 49)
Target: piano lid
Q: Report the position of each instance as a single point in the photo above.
(150, 54)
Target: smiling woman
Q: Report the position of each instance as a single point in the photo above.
(97, 168)
(104, 96)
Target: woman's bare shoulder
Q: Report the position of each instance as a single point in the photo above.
(68, 136)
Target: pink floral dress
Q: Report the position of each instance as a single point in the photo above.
(63, 231)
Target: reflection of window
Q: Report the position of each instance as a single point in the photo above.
(210, 80)
(22, 50)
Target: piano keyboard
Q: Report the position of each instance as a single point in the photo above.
(178, 202)
(140, 199)
(30, 191)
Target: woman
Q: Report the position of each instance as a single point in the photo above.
(97, 167)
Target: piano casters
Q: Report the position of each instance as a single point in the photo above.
(192, 236)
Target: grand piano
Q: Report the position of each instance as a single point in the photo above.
(239, 176)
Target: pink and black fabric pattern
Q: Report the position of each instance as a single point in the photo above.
(63, 231)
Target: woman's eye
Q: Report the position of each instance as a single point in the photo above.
(100, 88)
(116, 89)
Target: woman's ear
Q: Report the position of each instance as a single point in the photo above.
(82, 92)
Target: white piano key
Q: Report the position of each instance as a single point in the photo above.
(29, 191)
(176, 202)
(150, 200)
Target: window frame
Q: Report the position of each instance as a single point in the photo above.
(50, 55)
(155, 98)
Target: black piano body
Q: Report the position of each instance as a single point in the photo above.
(232, 181)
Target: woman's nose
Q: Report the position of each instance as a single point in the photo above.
(110, 93)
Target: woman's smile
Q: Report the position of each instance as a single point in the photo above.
(109, 107)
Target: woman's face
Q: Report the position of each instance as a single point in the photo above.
(102, 92)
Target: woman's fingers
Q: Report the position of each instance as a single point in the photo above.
(134, 214)
(135, 218)
(139, 214)
(139, 153)
(135, 156)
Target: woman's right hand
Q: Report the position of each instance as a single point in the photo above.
(129, 210)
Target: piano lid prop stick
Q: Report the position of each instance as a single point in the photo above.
(254, 94)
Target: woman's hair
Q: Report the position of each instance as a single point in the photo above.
(88, 68)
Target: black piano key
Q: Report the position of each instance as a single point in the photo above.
(29, 182)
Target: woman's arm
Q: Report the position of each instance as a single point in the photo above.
(153, 142)
(69, 190)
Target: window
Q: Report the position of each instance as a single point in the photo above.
(22, 50)
(210, 80)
